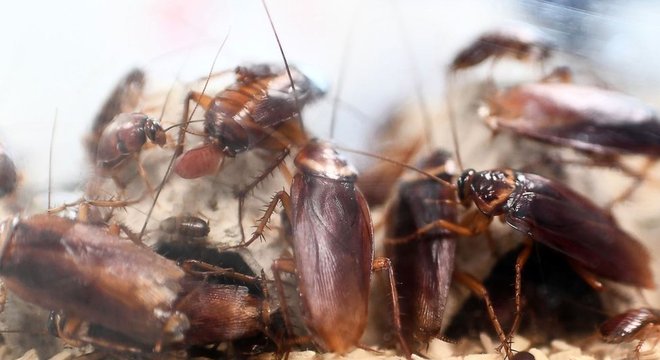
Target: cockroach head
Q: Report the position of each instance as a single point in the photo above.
(155, 132)
(319, 158)
(489, 190)
(463, 185)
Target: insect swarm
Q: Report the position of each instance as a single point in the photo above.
(191, 208)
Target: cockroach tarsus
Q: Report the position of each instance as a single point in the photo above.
(333, 249)
(635, 324)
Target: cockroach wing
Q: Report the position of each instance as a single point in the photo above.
(333, 242)
(564, 220)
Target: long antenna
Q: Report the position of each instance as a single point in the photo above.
(449, 90)
(343, 65)
(417, 82)
(407, 166)
(174, 156)
(50, 159)
(286, 65)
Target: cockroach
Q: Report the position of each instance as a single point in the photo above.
(243, 116)
(584, 118)
(556, 299)
(123, 99)
(185, 226)
(553, 214)
(333, 246)
(102, 282)
(521, 43)
(123, 138)
(423, 267)
(8, 177)
(636, 324)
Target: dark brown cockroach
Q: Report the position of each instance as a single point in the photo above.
(423, 267)
(556, 216)
(636, 324)
(333, 248)
(185, 226)
(521, 43)
(556, 300)
(258, 106)
(586, 118)
(8, 177)
(123, 99)
(102, 282)
(123, 138)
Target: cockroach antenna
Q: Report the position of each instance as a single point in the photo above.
(417, 82)
(50, 159)
(286, 65)
(178, 151)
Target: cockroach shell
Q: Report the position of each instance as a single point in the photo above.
(627, 326)
(59, 264)
(219, 312)
(581, 117)
(423, 267)
(333, 246)
(8, 177)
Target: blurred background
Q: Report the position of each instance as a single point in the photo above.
(62, 58)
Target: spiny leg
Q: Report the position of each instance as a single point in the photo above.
(384, 264)
(262, 223)
(201, 268)
(523, 256)
(242, 194)
(283, 265)
(478, 288)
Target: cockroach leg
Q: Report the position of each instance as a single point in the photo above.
(523, 256)
(243, 193)
(384, 264)
(289, 266)
(200, 268)
(263, 221)
(628, 192)
(143, 175)
(200, 99)
(477, 288)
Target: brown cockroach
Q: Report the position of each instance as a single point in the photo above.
(554, 215)
(522, 43)
(8, 176)
(244, 116)
(123, 138)
(333, 246)
(635, 324)
(123, 99)
(102, 281)
(424, 267)
(185, 226)
(585, 118)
